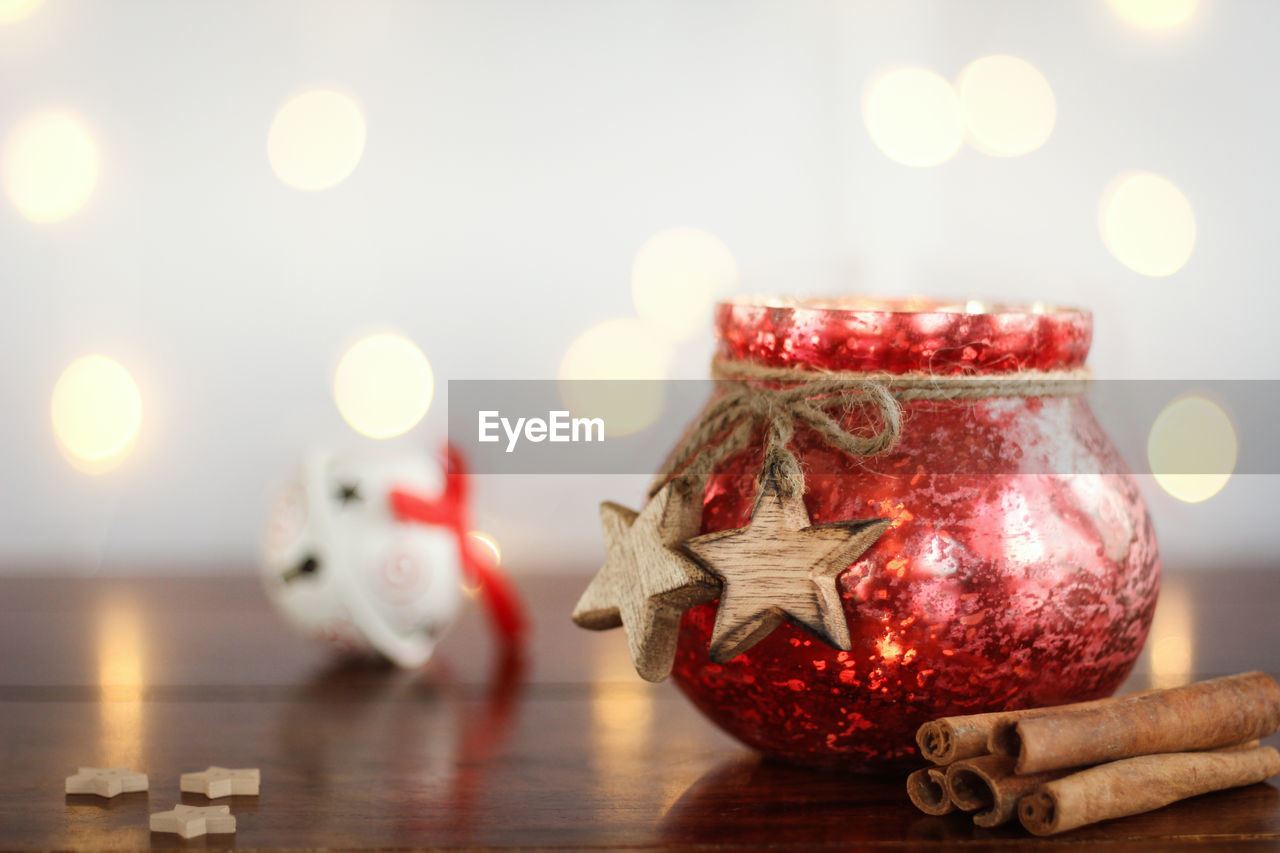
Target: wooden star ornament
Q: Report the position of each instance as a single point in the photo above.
(221, 782)
(190, 821)
(780, 566)
(106, 781)
(647, 581)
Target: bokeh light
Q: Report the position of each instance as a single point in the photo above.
(1008, 105)
(1154, 14)
(1172, 655)
(1192, 449)
(1147, 223)
(676, 275)
(488, 543)
(50, 166)
(622, 720)
(383, 385)
(122, 677)
(316, 140)
(914, 116)
(620, 349)
(96, 412)
(13, 11)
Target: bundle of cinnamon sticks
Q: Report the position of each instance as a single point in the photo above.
(1064, 767)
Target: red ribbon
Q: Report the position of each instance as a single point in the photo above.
(450, 510)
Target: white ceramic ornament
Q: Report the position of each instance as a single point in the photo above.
(342, 568)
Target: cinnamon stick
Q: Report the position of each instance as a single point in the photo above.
(927, 788)
(949, 739)
(987, 785)
(1135, 785)
(1201, 716)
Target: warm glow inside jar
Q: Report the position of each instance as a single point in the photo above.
(1006, 579)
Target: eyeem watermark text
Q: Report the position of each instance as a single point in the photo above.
(557, 426)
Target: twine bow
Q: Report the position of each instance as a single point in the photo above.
(818, 404)
(750, 398)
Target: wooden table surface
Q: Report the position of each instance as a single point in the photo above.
(569, 750)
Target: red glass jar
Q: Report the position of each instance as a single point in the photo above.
(1000, 584)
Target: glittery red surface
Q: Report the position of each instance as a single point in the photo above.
(989, 591)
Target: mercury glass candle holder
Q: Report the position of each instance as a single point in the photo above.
(1006, 578)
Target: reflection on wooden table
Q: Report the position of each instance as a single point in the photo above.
(568, 748)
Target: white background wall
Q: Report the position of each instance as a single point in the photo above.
(518, 154)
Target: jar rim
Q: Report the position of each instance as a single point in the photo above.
(873, 304)
(902, 335)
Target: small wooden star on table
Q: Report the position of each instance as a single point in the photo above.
(781, 566)
(106, 781)
(647, 582)
(190, 821)
(221, 782)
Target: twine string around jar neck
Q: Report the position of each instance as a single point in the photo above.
(821, 400)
